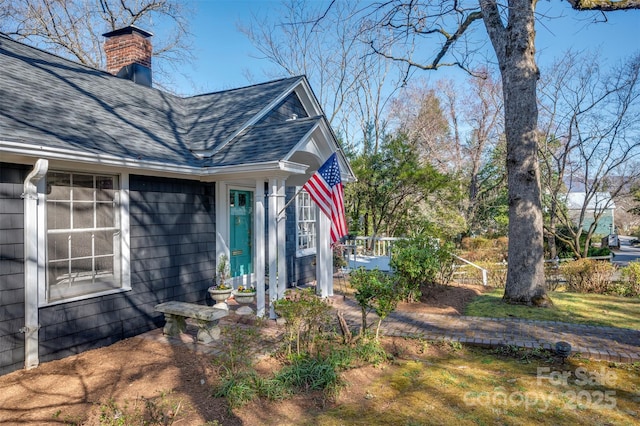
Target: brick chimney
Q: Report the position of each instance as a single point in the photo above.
(128, 51)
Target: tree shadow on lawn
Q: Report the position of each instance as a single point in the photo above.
(444, 299)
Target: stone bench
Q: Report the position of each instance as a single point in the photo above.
(176, 313)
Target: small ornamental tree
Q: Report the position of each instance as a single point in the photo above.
(375, 292)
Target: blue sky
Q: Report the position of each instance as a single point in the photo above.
(224, 55)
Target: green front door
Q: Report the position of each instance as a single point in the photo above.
(240, 232)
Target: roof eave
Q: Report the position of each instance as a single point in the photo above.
(278, 167)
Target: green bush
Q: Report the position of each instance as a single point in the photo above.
(307, 318)
(421, 262)
(630, 285)
(588, 276)
(375, 291)
(598, 251)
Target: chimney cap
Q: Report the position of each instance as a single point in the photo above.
(131, 29)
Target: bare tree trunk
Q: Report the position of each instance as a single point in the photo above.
(514, 46)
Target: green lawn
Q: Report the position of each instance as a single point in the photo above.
(594, 309)
(472, 386)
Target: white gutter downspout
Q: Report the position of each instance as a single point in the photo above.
(33, 260)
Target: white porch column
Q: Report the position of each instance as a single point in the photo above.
(282, 240)
(258, 226)
(273, 243)
(324, 257)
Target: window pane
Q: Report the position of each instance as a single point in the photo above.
(58, 186)
(82, 215)
(58, 246)
(81, 270)
(58, 215)
(81, 245)
(105, 188)
(103, 243)
(83, 187)
(105, 215)
(104, 266)
(58, 273)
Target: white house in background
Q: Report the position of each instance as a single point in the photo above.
(600, 203)
(115, 196)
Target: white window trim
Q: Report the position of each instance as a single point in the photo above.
(311, 250)
(124, 249)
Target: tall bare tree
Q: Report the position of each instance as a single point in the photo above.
(74, 28)
(419, 114)
(352, 85)
(510, 26)
(591, 121)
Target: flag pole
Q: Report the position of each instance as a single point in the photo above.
(289, 202)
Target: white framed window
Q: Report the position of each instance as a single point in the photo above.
(84, 235)
(306, 224)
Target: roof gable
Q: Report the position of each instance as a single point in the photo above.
(214, 119)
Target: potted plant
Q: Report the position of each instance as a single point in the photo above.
(244, 294)
(221, 289)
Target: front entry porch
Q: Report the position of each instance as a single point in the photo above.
(253, 232)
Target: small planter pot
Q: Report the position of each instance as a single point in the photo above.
(220, 296)
(244, 298)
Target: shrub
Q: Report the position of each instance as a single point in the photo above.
(496, 273)
(588, 276)
(235, 356)
(598, 251)
(307, 318)
(479, 249)
(630, 285)
(375, 291)
(418, 262)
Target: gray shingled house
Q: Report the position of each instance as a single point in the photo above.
(115, 196)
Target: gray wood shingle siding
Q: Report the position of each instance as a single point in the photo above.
(11, 267)
(172, 258)
(173, 237)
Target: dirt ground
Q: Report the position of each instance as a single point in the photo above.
(148, 372)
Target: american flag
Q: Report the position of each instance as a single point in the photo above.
(325, 188)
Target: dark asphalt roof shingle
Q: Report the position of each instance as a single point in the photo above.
(47, 100)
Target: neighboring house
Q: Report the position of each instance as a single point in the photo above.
(600, 203)
(115, 196)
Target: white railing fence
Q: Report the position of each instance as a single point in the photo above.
(483, 272)
(371, 246)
